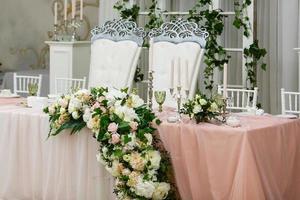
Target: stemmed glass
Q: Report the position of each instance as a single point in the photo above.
(32, 89)
(160, 97)
(230, 103)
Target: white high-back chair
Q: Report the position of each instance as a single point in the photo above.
(66, 85)
(290, 102)
(178, 39)
(116, 47)
(21, 83)
(240, 99)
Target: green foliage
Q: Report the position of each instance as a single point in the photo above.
(215, 55)
(127, 13)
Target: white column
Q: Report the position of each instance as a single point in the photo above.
(68, 60)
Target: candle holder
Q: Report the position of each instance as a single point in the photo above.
(55, 35)
(150, 89)
(178, 98)
(224, 111)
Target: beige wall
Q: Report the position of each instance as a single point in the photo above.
(24, 26)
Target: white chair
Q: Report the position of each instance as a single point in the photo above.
(66, 85)
(178, 39)
(290, 102)
(21, 83)
(240, 99)
(115, 51)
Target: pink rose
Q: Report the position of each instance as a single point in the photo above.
(115, 138)
(113, 127)
(96, 105)
(133, 125)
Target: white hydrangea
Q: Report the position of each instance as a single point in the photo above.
(203, 102)
(145, 188)
(114, 94)
(75, 115)
(125, 113)
(87, 115)
(154, 158)
(214, 107)
(74, 105)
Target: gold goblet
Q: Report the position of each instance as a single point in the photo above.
(160, 97)
(33, 89)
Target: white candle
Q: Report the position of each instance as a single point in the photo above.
(172, 74)
(186, 78)
(151, 54)
(66, 10)
(179, 72)
(81, 9)
(225, 81)
(73, 8)
(55, 13)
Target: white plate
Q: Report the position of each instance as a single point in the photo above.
(10, 96)
(287, 116)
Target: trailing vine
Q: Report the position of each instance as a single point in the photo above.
(215, 55)
(254, 54)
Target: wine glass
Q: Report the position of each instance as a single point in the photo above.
(32, 89)
(160, 97)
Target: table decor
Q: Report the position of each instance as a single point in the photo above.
(160, 97)
(124, 126)
(202, 108)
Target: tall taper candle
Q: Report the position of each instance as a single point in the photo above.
(186, 77)
(55, 13)
(151, 55)
(81, 10)
(66, 10)
(73, 8)
(172, 74)
(179, 72)
(225, 81)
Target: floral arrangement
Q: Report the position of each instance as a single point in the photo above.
(203, 109)
(123, 125)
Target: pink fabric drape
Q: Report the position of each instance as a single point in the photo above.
(60, 168)
(260, 160)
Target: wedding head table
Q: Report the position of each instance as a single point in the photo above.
(34, 167)
(259, 160)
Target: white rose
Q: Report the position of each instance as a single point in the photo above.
(114, 94)
(126, 172)
(87, 115)
(203, 102)
(214, 107)
(197, 109)
(51, 109)
(136, 101)
(63, 102)
(145, 189)
(149, 138)
(75, 115)
(154, 158)
(161, 191)
(74, 105)
(62, 110)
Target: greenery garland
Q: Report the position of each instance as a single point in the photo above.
(213, 21)
(125, 128)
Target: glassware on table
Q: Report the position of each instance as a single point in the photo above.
(230, 103)
(33, 89)
(160, 97)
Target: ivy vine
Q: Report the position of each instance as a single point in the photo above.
(215, 56)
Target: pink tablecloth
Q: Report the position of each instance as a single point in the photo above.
(260, 160)
(60, 168)
(10, 101)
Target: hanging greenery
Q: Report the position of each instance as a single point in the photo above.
(254, 54)
(215, 55)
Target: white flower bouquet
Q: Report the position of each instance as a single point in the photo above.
(202, 108)
(123, 125)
